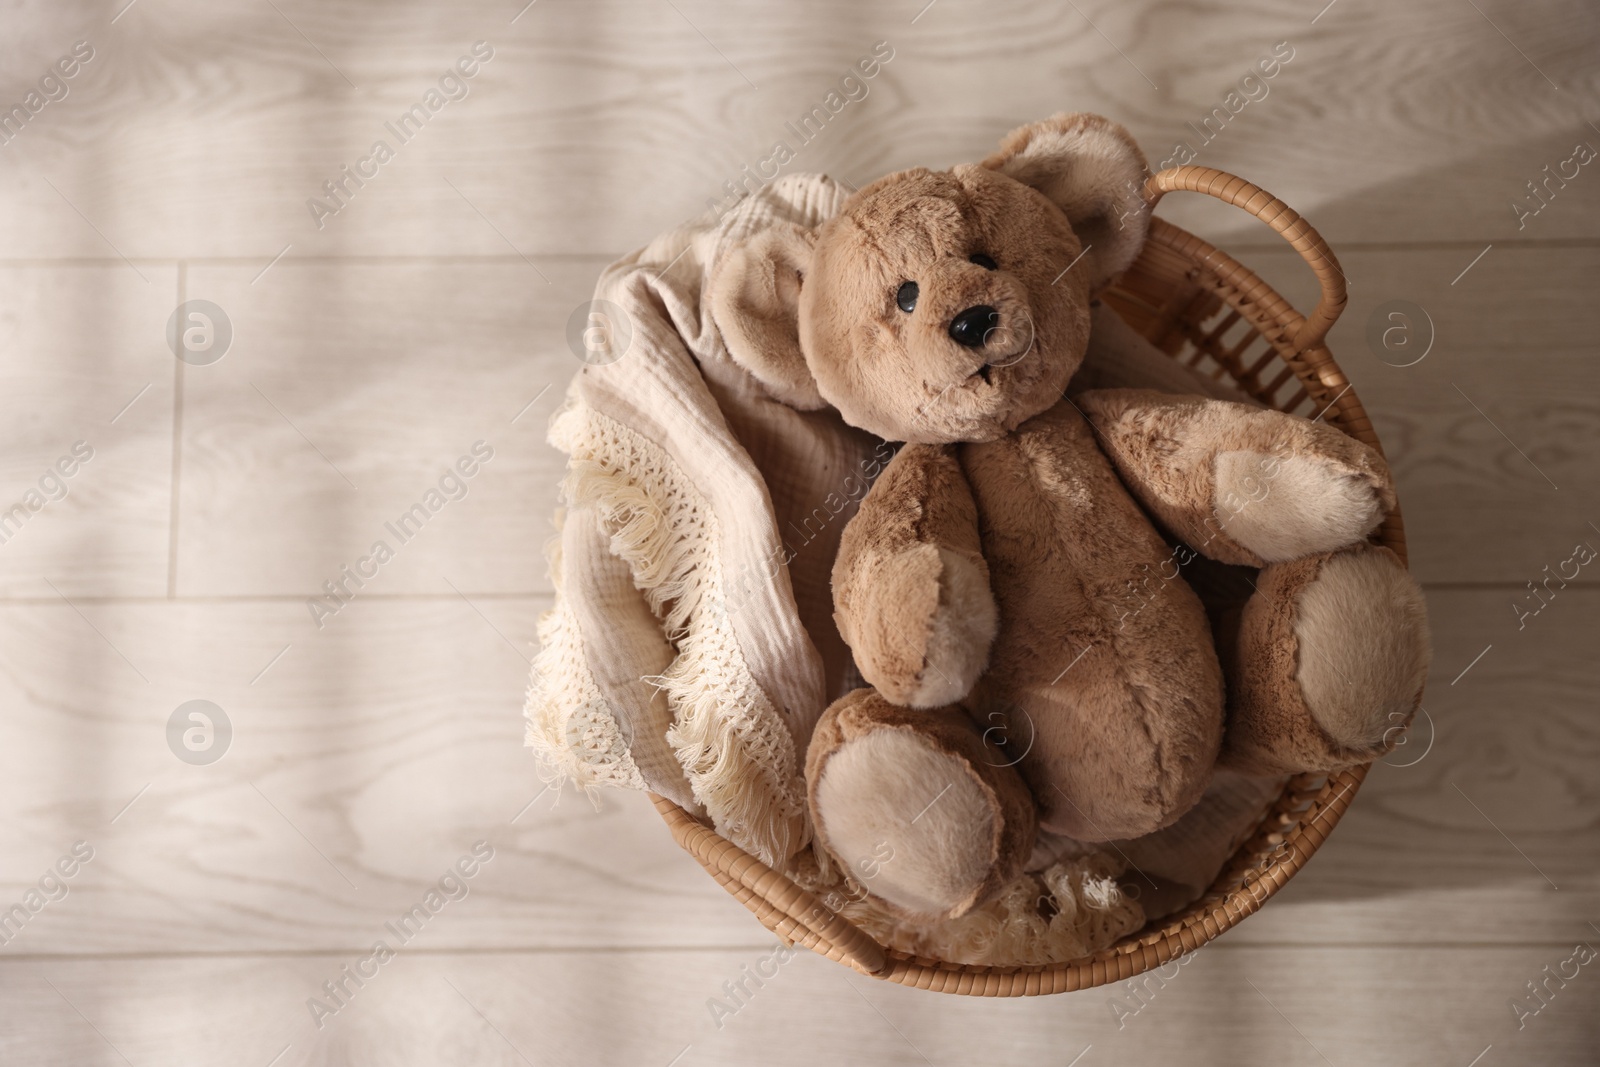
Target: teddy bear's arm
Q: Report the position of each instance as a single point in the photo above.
(910, 586)
(1241, 484)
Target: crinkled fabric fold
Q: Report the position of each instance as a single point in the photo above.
(679, 499)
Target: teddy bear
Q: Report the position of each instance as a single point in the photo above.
(1012, 588)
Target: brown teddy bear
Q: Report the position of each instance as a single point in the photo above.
(1035, 657)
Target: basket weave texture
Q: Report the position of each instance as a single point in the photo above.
(1202, 307)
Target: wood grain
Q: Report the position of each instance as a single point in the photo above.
(351, 392)
(373, 753)
(84, 358)
(1492, 433)
(430, 312)
(224, 122)
(462, 347)
(365, 761)
(1398, 1006)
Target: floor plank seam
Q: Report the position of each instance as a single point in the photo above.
(174, 485)
(1249, 247)
(536, 594)
(740, 946)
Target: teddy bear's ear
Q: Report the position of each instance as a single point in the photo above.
(1092, 169)
(755, 300)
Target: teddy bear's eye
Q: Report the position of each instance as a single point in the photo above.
(983, 261)
(907, 297)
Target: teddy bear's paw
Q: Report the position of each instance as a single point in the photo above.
(1285, 507)
(926, 627)
(1333, 652)
(915, 806)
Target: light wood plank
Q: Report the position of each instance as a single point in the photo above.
(263, 513)
(365, 761)
(351, 392)
(381, 748)
(1294, 1007)
(84, 362)
(595, 126)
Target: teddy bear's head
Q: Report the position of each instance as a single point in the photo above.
(943, 306)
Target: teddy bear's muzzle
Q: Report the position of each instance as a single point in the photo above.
(999, 339)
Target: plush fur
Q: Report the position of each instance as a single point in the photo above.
(1101, 191)
(1332, 653)
(935, 822)
(1119, 692)
(905, 379)
(1320, 505)
(754, 306)
(1242, 484)
(913, 602)
(1003, 569)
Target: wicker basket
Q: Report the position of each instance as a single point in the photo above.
(1200, 306)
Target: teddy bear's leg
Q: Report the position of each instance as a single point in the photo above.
(1328, 665)
(919, 807)
(1241, 484)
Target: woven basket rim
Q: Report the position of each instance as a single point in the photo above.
(1291, 829)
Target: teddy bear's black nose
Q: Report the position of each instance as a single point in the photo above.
(971, 327)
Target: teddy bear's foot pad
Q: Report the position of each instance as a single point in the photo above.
(920, 811)
(1332, 654)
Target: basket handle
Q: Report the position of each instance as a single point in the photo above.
(1300, 234)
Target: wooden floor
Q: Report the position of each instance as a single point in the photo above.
(370, 753)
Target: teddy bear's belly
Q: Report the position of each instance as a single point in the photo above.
(1072, 559)
(1103, 667)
